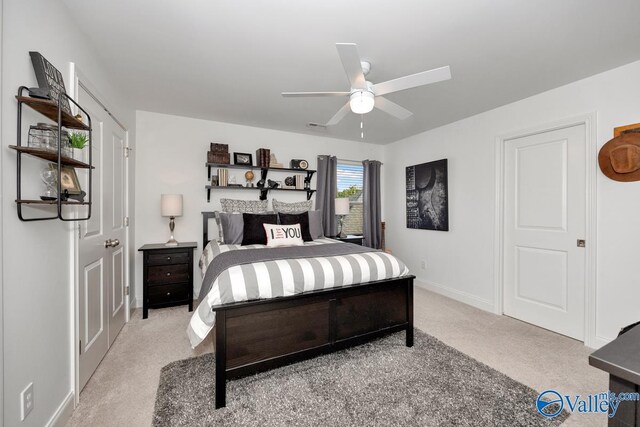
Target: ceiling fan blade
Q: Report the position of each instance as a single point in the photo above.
(414, 80)
(301, 94)
(341, 114)
(392, 108)
(351, 62)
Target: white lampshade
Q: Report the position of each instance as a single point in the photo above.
(342, 206)
(171, 205)
(361, 102)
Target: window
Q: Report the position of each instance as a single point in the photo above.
(350, 180)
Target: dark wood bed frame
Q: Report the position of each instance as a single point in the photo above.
(255, 336)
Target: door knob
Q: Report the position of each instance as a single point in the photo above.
(111, 243)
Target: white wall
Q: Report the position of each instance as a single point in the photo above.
(460, 263)
(171, 157)
(37, 284)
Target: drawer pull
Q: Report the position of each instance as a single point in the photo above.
(168, 274)
(168, 258)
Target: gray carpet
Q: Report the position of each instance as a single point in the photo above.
(382, 383)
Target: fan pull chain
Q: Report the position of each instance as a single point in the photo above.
(361, 126)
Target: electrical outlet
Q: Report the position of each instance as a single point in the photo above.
(26, 400)
(423, 264)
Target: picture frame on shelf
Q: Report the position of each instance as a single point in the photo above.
(68, 179)
(243, 159)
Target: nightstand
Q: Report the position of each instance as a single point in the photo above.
(357, 240)
(167, 276)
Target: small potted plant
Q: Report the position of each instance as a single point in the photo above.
(78, 140)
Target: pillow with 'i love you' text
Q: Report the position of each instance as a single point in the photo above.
(283, 235)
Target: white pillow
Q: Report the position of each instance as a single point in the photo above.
(283, 235)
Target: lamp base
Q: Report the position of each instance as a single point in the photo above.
(341, 233)
(171, 242)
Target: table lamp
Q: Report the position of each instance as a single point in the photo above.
(171, 206)
(342, 209)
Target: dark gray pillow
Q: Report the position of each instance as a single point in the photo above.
(231, 225)
(315, 225)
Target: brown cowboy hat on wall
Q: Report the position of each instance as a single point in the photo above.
(619, 158)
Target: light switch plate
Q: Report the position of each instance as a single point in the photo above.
(26, 401)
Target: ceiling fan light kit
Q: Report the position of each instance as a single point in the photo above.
(364, 95)
(361, 101)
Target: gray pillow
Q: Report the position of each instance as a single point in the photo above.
(297, 207)
(315, 225)
(219, 226)
(231, 227)
(243, 206)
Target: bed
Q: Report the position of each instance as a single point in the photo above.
(258, 327)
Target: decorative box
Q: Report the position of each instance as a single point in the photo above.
(219, 148)
(263, 157)
(215, 157)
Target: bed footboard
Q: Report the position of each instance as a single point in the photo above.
(256, 336)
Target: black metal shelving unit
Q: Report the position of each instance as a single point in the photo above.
(263, 175)
(53, 111)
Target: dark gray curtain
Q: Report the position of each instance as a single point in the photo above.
(372, 227)
(326, 189)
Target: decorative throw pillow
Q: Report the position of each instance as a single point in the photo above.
(243, 206)
(253, 232)
(232, 226)
(296, 207)
(301, 218)
(283, 235)
(315, 225)
(220, 238)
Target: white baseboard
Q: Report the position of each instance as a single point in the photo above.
(456, 294)
(63, 413)
(597, 341)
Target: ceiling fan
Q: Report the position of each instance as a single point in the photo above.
(364, 95)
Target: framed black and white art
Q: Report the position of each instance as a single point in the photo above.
(428, 196)
(242, 159)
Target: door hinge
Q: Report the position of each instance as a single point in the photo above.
(126, 291)
(126, 221)
(80, 346)
(126, 151)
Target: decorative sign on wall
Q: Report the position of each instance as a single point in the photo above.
(50, 78)
(428, 196)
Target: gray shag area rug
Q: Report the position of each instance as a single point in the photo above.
(382, 383)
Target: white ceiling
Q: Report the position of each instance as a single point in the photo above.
(229, 60)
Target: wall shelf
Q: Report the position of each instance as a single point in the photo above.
(52, 110)
(49, 202)
(263, 174)
(51, 156)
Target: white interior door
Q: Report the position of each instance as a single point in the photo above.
(114, 213)
(545, 216)
(101, 267)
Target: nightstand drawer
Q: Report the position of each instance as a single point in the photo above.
(170, 258)
(162, 294)
(161, 274)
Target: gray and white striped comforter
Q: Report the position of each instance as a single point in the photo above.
(284, 277)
